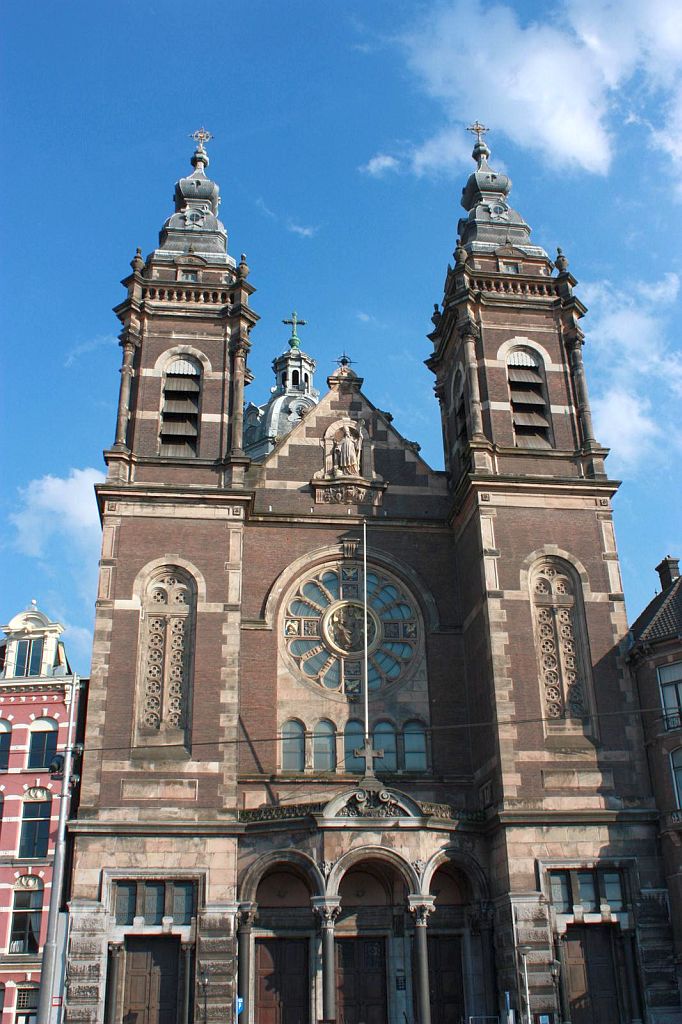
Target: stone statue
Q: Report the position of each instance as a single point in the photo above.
(347, 452)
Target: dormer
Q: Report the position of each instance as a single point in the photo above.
(31, 648)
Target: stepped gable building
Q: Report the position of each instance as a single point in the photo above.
(656, 661)
(37, 713)
(237, 836)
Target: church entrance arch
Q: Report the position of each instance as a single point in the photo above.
(284, 930)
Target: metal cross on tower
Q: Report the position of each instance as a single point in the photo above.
(200, 136)
(478, 130)
(294, 340)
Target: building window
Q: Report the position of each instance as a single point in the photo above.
(26, 911)
(168, 631)
(670, 680)
(384, 739)
(414, 738)
(353, 739)
(43, 745)
(588, 888)
(29, 657)
(528, 395)
(676, 765)
(559, 631)
(154, 900)
(293, 747)
(324, 747)
(323, 627)
(179, 433)
(5, 743)
(27, 1004)
(35, 829)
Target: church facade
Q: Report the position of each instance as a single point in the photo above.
(383, 778)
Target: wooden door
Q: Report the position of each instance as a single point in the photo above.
(282, 981)
(445, 979)
(151, 993)
(592, 983)
(361, 981)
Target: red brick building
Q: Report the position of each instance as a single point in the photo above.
(498, 839)
(37, 690)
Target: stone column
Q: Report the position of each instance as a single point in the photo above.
(187, 979)
(240, 347)
(113, 973)
(245, 917)
(563, 982)
(628, 939)
(128, 344)
(421, 907)
(574, 345)
(327, 908)
(469, 334)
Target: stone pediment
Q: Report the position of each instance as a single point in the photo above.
(372, 801)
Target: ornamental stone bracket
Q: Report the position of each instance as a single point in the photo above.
(372, 801)
(342, 492)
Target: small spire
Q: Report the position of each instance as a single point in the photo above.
(294, 340)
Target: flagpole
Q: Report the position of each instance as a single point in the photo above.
(364, 608)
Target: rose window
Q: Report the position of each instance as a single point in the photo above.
(324, 628)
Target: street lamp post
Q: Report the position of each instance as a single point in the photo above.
(523, 953)
(49, 960)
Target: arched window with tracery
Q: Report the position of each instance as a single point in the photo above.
(168, 621)
(179, 431)
(561, 640)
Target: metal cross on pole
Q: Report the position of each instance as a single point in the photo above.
(294, 340)
(200, 136)
(478, 130)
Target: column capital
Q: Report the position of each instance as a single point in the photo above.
(246, 914)
(421, 907)
(115, 948)
(327, 909)
(467, 328)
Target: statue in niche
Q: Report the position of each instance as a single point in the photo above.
(347, 452)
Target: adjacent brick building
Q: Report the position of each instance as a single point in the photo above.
(37, 691)
(237, 836)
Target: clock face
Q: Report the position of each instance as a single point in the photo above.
(499, 211)
(324, 628)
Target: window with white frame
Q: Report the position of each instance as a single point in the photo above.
(5, 743)
(670, 681)
(26, 912)
(29, 657)
(43, 744)
(35, 828)
(27, 1004)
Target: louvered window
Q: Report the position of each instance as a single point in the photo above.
(528, 394)
(180, 409)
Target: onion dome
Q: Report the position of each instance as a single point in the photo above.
(195, 227)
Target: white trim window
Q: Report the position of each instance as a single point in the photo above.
(670, 682)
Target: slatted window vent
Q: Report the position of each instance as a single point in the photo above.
(179, 434)
(529, 406)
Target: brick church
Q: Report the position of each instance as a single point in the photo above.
(420, 805)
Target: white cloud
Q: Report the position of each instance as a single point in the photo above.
(555, 85)
(101, 341)
(380, 164)
(636, 372)
(304, 231)
(55, 506)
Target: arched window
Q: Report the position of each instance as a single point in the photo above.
(5, 743)
(414, 738)
(560, 640)
(384, 739)
(324, 747)
(26, 909)
(35, 827)
(179, 433)
(528, 396)
(43, 745)
(167, 638)
(293, 747)
(352, 739)
(676, 765)
(295, 378)
(459, 410)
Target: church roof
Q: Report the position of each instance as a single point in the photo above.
(662, 618)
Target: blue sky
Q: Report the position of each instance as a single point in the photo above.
(341, 152)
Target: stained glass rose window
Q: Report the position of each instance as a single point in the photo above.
(324, 628)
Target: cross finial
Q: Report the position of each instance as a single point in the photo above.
(343, 361)
(478, 130)
(367, 754)
(294, 340)
(200, 136)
